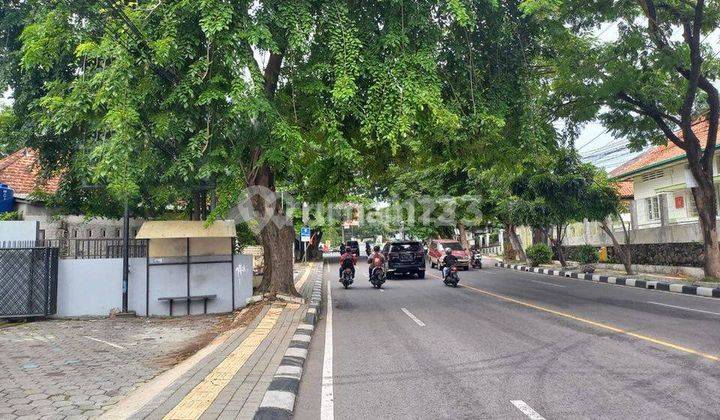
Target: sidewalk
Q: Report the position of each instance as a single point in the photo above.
(230, 380)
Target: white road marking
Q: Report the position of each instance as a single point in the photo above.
(546, 283)
(413, 317)
(105, 342)
(684, 308)
(527, 410)
(327, 404)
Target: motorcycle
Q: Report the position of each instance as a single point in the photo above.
(377, 278)
(347, 278)
(452, 278)
(476, 260)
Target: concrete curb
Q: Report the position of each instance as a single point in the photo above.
(623, 281)
(279, 399)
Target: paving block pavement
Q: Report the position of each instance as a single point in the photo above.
(78, 368)
(279, 399)
(231, 381)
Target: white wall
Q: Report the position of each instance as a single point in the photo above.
(18, 231)
(94, 286)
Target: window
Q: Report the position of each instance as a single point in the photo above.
(652, 208)
(691, 207)
(652, 175)
(102, 233)
(455, 246)
(406, 246)
(117, 232)
(89, 233)
(75, 233)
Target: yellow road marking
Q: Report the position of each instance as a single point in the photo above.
(304, 277)
(202, 396)
(595, 323)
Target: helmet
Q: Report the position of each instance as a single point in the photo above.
(448, 251)
(376, 249)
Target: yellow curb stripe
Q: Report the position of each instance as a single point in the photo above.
(304, 277)
(202, 396)
(597, 324)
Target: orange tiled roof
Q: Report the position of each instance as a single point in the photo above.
(625, 189)
(21, 171)
(660, 153)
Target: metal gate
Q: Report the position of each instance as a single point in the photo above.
(28, 282)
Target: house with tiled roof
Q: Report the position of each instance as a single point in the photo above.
(661, 183)
(22, 172)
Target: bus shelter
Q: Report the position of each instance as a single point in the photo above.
(189, 263)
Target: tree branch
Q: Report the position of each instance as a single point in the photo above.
(651, 110)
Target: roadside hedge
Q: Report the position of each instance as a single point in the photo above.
(686, 254)
(539, 254)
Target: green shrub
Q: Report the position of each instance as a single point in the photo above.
(587, 254)
(539, 254)
(10, 215)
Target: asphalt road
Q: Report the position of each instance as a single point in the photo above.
(513, 345)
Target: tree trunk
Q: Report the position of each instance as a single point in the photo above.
(277, 249)
(704, 196)
(516, 242)
(314, 253)
(539, 236)
(463, 236)
(196, 206)
(276, 237)
(558, 245)
(622, 251)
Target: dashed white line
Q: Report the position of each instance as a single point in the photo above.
(105, 342)
(527, 410)
(413, 317)
(327, 403)
(684, 308)
(546, 283)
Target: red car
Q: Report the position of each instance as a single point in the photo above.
(436, 253)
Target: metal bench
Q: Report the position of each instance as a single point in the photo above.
(188, 299)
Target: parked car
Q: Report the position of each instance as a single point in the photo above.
(404, 257)
(436, 253)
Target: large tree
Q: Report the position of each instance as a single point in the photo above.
(157, 100)
(651, 83)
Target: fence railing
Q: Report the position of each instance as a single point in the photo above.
(491, 250)
(82, 248)
(28, 282)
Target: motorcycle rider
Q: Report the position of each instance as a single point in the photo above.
(448, 261)
(347, 260)
(377, 259)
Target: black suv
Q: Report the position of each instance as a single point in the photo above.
(354, 247)
(406, 257)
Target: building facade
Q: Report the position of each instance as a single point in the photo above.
(21, 171)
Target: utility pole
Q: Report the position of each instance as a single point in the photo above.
(126, 256)
(126, 251)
